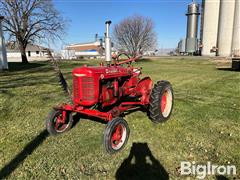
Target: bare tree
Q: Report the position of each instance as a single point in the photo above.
(29, 20)
(135, 35)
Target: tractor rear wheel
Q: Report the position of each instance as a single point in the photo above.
(116, 135)
(161, 102)
(59, 121)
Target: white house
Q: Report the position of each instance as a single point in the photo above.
(33, 52)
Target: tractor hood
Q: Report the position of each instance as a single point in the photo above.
(102, 71)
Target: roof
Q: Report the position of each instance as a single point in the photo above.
(12, 46)
(85, 46)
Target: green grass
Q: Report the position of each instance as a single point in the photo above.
(204, 126)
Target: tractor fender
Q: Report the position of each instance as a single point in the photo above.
(144, 88)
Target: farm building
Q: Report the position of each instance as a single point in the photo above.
(90, 49)
(33, 52)
(93, 49)
(219, 32)
(219, 29)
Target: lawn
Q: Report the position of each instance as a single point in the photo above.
(204, 126)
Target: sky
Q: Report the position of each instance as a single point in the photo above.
(87, 17)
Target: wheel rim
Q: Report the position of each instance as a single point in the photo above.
(163, 102)
(61, 123)
(166, 102)
(118, 136)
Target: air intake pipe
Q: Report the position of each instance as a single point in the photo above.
(108, 44)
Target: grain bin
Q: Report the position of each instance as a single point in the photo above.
(225, 27)
(210, 26)
(181, 46)
(236, 31)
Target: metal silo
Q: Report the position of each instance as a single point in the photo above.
(202, 20)
(210, 26)
(192, 27)
(236, 31)
(225, 27)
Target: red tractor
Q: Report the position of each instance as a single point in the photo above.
(106, 92)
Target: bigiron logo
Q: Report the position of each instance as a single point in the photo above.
(201, 171)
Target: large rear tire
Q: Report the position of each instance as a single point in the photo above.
(161, 102)
(59, 121)
(115, 135)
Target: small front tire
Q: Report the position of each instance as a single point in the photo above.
(116, 135)
(59, 121)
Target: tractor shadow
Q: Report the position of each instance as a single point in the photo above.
(21, 156)
(141, 164)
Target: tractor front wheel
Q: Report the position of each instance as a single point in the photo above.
(116, 135)
(59, 121)
(161, 102)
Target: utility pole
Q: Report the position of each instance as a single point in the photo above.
(3, 53)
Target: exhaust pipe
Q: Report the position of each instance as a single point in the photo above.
(108, 44)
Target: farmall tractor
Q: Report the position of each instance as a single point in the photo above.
(107, 92)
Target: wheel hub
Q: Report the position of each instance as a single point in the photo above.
(60, 122)
(166, 102)
(117, 135)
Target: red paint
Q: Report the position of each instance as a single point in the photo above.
(163, 102)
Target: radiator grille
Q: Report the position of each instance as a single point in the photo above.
(76, 92)
(83, 88)
(87, 88)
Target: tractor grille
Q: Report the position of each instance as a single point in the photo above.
(76, 92)
(87, 88)
(83, 88)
